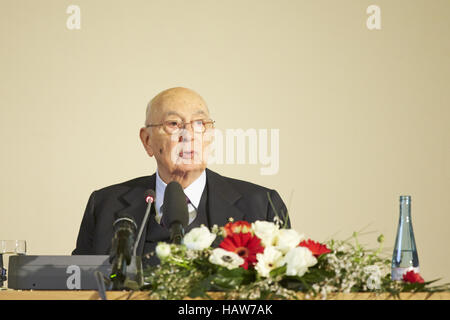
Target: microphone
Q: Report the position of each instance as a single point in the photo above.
(150, 197)
(175, 214)
(122, 244)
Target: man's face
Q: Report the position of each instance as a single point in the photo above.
(178, 150)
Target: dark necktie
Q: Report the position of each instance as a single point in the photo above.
(192, 210)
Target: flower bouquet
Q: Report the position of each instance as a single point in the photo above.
(264, 260)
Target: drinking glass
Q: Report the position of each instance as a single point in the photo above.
(9, 248)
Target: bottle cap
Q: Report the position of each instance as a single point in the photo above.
(406, 199)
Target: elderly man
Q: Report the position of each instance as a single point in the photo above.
(178, 131)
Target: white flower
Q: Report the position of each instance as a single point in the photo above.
(224, 258)
(269, 260)
(288, 239)
(163, 250)
(298, 260)
(266, 231)
(199, 238)
(374, 280)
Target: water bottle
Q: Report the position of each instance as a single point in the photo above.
(405, 256)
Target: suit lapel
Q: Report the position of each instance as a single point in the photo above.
(222, 198)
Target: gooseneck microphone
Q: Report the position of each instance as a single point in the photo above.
(122, 247)
(175, 211)
(150, 197)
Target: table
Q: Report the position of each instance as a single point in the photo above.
(142, 295)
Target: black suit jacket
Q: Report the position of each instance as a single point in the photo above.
(227, 198)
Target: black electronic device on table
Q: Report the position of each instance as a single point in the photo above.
(76, 272)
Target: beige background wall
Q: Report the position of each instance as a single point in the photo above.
(363, 115)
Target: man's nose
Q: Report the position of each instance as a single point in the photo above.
(186, 133)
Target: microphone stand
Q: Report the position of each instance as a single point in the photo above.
(120, 278)
(101, 282)
(119, 272)
(141, 229)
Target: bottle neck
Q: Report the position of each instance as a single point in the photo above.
(405, 210)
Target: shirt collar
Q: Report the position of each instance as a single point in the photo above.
(194, 191)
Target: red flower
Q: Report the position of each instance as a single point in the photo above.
(316, 248)
(237, 227)
(412, 277)
(246, 245)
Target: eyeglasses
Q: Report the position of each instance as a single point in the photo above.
(174, 126)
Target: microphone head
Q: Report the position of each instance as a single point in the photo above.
(150, 196)
(124, 220)
(175, 205)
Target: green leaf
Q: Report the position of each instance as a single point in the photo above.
(201, 288)
(231, 279)
(280, 271)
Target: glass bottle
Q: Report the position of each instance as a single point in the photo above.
(405, 256)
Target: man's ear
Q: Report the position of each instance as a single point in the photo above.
(145, 138)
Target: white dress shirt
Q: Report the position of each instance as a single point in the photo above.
(194, 192)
